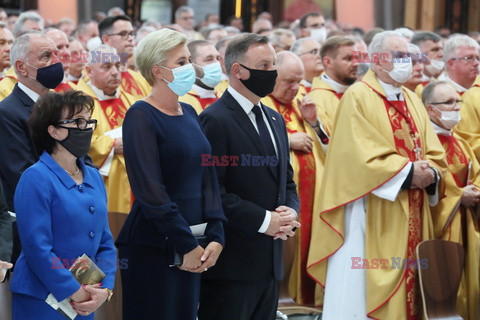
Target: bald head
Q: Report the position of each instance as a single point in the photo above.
(290, 72)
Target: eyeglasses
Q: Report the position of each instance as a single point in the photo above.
(468, 59)
(124, 34)
(80, 122)
(450, 102)
(313, 52)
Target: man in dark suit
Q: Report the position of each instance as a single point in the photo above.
(258, 193)
(30, 54)
(6, 240)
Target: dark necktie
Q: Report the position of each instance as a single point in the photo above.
(263, 131)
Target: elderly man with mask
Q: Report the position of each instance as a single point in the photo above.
(307, 156)
(341, 65)
(461, 62)
(454, 218)
(32, 59)
(111, 104)
(384, 157)
(431, 44)
(259, 198)
(309, 52)
(206, 62)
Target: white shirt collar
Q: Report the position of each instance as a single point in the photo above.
(100, 94)
(203, 93)
(426, 78)
(72, 78)
(306, 83)
(2, 74)
(29, 92)
(224, 76)
(392, 93)
(457, 87)
(246, 104)
(339, 88)
(440, 130)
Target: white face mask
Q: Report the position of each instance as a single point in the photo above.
(449, 119)
(401, 72)
(319, 34)
(435, 66)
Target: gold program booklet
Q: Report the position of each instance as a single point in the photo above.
(85, 271)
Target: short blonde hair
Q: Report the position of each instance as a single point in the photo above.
(154, 50)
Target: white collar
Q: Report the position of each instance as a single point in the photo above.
(224, 76)
(2, 74)
(246, 104)
(391, 92)
(426, 78)
(72, 78)
(100, 94)
(306, 83)
(457, 87)
(338, 87)
(29, 92)
(203, 93)
(440, 130)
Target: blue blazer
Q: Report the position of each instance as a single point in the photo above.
(58, 221)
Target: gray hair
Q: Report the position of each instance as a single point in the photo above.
(378, 43)
(456, 41)
(154, 49)
(297, 45)
(405, 32)
(29, 15)
(420, 37)
(238, 47)
(113, 10)
(231, 29)
(21, 46)
(276, 35)
(142, 32)
(427, 92)
(181, 10)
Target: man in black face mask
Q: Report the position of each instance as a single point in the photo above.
(31, 56)
(258, 194)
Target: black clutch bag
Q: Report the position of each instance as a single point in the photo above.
(177, 258)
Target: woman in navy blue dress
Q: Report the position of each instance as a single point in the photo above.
(163, 147)
(61, 208)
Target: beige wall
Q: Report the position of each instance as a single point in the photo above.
(54, 10)
(359, 13)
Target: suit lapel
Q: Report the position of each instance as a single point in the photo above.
(274, 125)
(244, 121)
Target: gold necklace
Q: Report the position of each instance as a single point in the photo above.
(73, 174)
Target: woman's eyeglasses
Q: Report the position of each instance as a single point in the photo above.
(80, 122)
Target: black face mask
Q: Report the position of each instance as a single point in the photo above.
(78, 141)
(261, 82)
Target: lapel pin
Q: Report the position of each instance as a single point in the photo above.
(274, 119)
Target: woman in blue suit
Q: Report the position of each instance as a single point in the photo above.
(61, 209)
(163, 145)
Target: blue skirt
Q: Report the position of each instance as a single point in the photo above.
(30, 308)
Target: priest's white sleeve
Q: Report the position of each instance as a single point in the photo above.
(391, 188)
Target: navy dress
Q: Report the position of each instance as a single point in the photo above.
(172, 190)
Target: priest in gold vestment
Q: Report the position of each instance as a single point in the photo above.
(383, 170)
(307, 156)
(454, 218)
(111, 104)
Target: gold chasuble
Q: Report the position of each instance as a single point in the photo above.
(308, 169)
(8, 83)
(135, 84)
(373, 140)
(327, 100)
(469, 126)
(198, 103)
(110, 114)
(463, 228)
(221, 87)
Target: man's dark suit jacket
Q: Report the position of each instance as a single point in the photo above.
(16, 150)
(247, 190)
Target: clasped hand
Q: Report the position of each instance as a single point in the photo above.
(199, 260)
(282, 222)
(88, 299)
(471, 195)
(423, 175)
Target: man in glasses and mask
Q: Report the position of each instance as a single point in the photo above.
(308, 50)
(382, 171)
(206, 62)
(454, 218)
(258, 194)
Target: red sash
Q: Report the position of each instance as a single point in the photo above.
(63, 87)
(204, 102)
(114, 110)
(456, 159)
(424, 83)
(129, 85)
(407, 143)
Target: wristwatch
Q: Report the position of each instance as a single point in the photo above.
(110, 294)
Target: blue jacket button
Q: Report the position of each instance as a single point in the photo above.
(92, 209)
(80, 188)
(91, 234)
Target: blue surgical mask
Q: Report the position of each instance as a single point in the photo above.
(183, 79)
(51, 76)
(212, 74)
